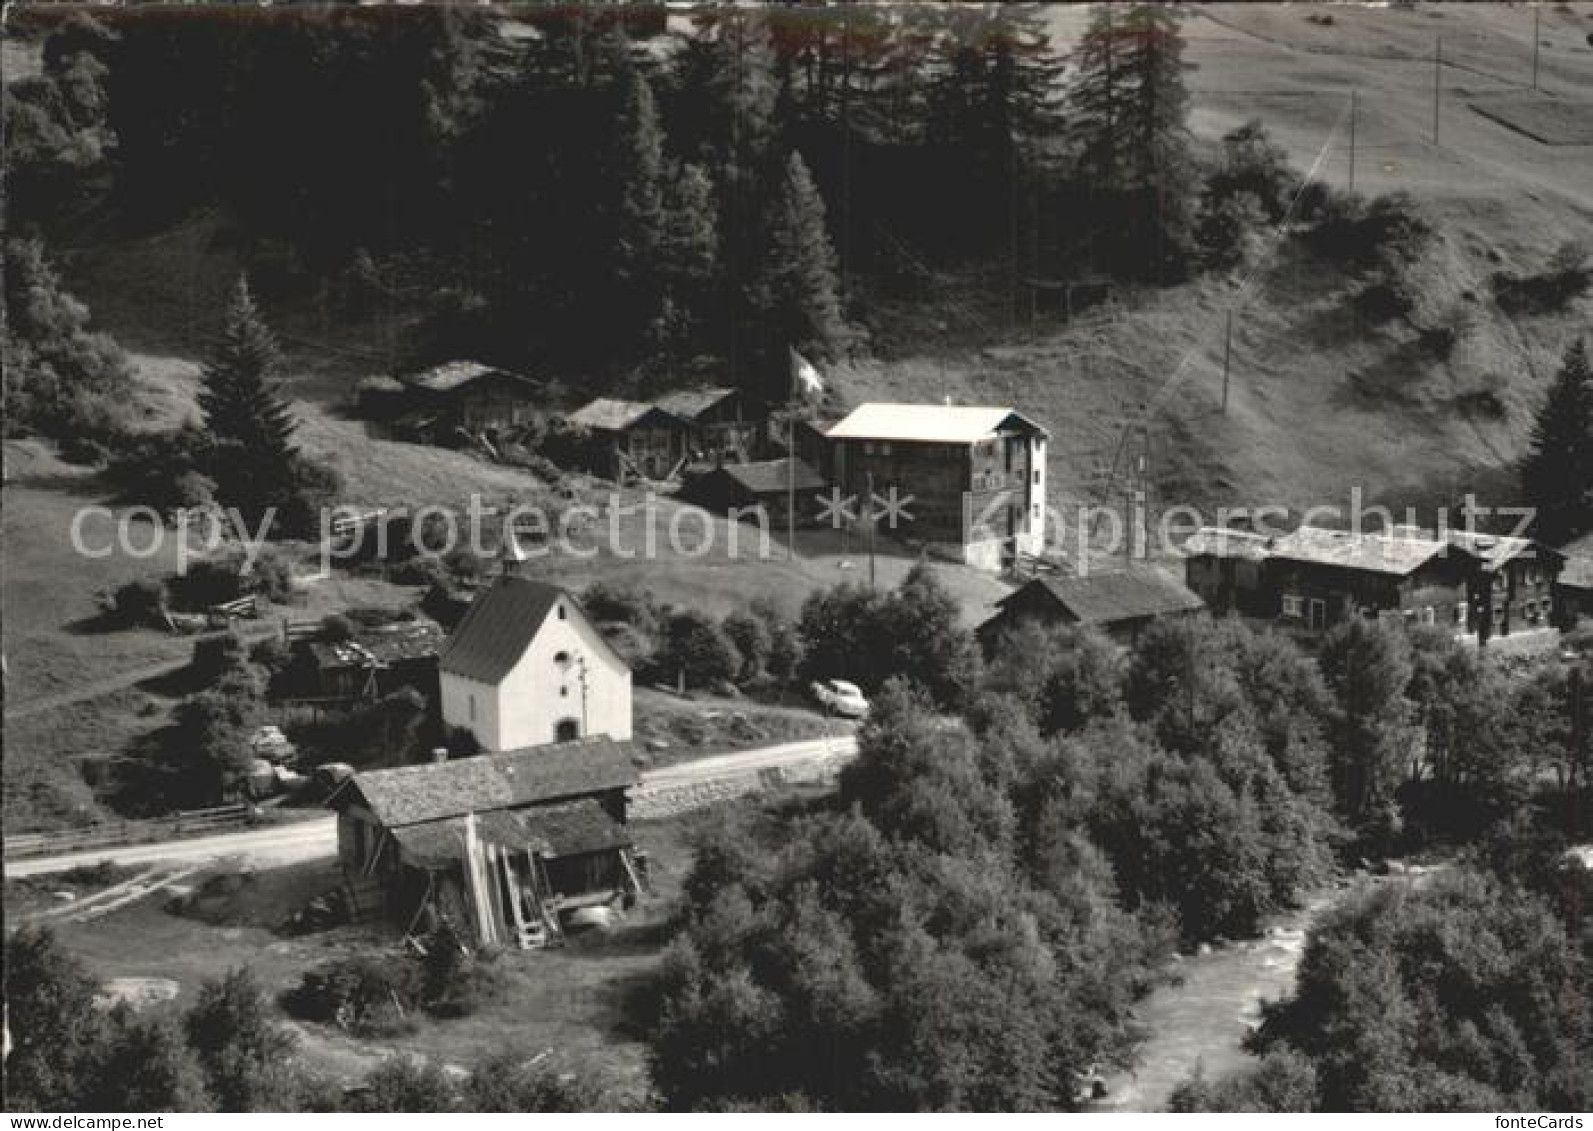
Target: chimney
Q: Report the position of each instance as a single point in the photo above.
(439, 754)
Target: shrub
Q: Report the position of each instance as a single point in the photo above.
(1390, 232)
(1566, 275)
(140, 603)
(1228, 225)
(1253, 165)
(164, 470)
(753, 640)
(336, 628)
(697, 651)
(366, 994)
(216, 656)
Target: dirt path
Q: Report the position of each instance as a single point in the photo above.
(316, 838)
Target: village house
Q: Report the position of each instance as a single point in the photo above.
(1226, 568)
(503, 846)
(1573, 592)
(1317, 578)
(526, 667)
(975, 477)
(720, 432)
(1121, 605)
(767, 484)
(632, 440)
(374, 662)
(1515, 590)
(469, 395)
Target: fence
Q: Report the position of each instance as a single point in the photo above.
(117, 833)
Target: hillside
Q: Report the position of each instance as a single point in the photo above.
(1318, 403)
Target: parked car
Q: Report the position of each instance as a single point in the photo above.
(841, 697)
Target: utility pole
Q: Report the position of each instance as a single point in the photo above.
(869, 503)
(1354, 107)
(1438, 81)
(790, 485)
(1537, 42)
(1227, 357)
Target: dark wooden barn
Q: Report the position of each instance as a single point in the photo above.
(504, 846)
(632, 440)
(720, 431)
(1119, 604)
(471, 396)
(742, 488)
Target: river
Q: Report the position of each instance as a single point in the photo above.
(1202, 1018)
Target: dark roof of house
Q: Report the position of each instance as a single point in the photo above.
(390, 644)
(692, 403)
(498, 627)
(553, 830)
(451, 375)
(607, 414)
(767, 477)
(1108, 598)
(513, 779)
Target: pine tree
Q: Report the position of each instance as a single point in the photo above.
(252, 426)
(1557, 474)
(636, 222)
(1128, 109)
(688, 258)
(796, 292)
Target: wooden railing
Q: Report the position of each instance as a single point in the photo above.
(112, 834)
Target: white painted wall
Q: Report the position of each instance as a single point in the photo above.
(526, 708)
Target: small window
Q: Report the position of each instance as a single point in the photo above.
(1292, 606)
(1460, 614)
(1037, 477)
(561, 658)
(561, 612)
(472, 708)
(884, 448)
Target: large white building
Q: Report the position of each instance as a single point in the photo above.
(527, 667)
(970, 479)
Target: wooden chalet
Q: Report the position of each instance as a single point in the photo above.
(1573, 591)
(469, 395)
(632, 440)
(742, 489)
(720, 431)
(1226, 568)
(1514, 591)
(1121, 605)
(1317, 578)
(503, 846)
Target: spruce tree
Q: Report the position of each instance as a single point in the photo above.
(636, 172)
(688, 258)
(1557, 474)
(796, 293)
(252, 426)
(1128, 107)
